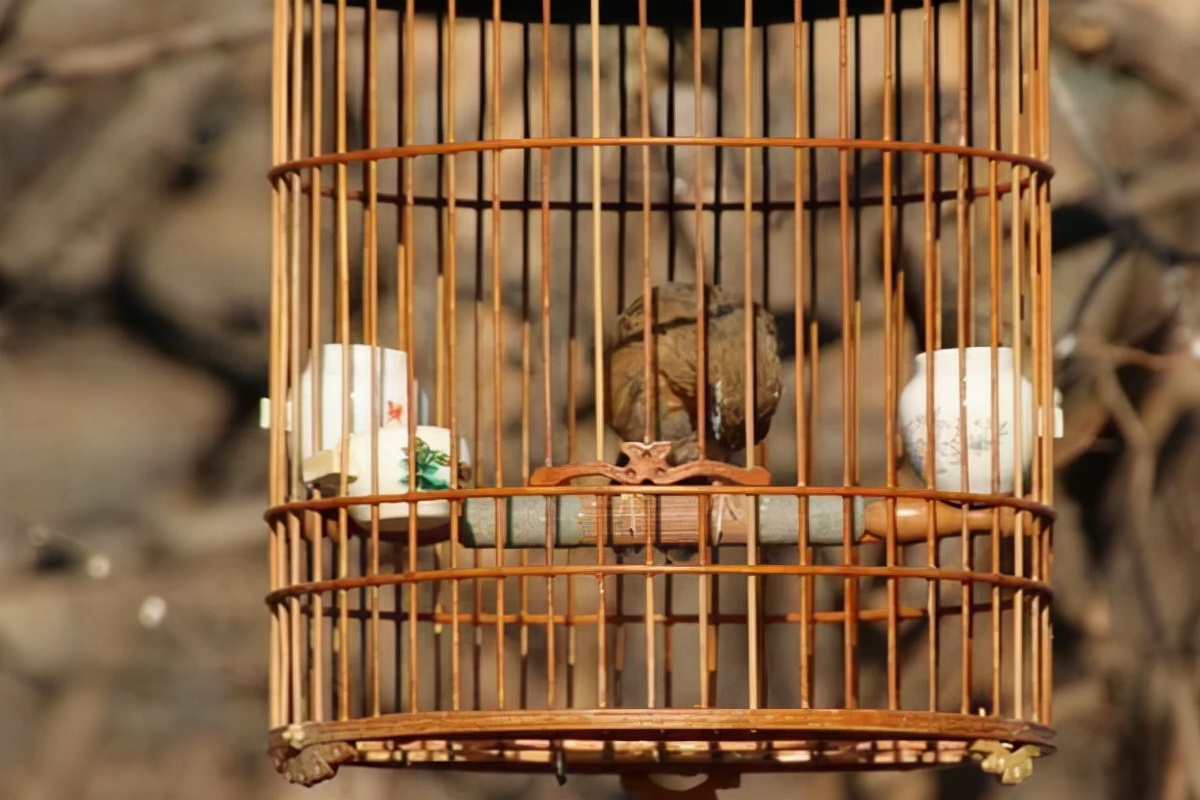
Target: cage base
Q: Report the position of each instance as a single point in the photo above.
(666, 741)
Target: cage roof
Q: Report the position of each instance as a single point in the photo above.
(659, 13)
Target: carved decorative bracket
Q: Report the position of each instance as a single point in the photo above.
(648, 464)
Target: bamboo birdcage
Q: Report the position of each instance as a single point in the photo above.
(467, 195)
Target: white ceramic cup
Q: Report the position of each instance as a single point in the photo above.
(390, 389)
(970, 409)
(388, 473)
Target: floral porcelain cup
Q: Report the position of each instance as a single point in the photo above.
(432, 468)
(972, 417)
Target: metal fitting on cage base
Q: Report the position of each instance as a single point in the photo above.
(1010, 766)
(307, 763)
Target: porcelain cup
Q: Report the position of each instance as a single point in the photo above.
(994, 446)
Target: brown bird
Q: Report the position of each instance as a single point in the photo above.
(674, 333)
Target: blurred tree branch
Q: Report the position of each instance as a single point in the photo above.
(1156, 40)
(128, 55)
(64, 229)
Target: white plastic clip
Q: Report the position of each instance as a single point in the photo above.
(264, 414)
(1059, 424)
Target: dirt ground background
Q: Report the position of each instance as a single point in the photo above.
(133, 353)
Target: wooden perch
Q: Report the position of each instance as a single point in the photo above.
(629, 520)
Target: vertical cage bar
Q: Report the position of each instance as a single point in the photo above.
(280, 657)
(1019, 213)
(707, 603)
(597, 233)
(620, 246)
(312, 526)
(1041, 82)
(801, 62)
(316, 110)
(442, 388)
(699, 266)
(932, 328)
(995, 281)
(648, 343)
(1042, 317)
(295, 618)
(342, 258)
(573, 345)
(371, 654)
(549, 532)
(668, 661)
(498, 361)
(848, 367)
(1043, 402)
(892, 333)
(304, 524)
(619, 634)
(526, 341)
(407, 313)
(965, 327)
(602, 688)
(708, 584)
(572, 645)
(450, 298)
(754, 607)
(477, 251)
(277, 655)
(293, 145)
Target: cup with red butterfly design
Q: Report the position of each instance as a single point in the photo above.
(367, 383)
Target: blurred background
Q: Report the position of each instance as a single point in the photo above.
(134, 254)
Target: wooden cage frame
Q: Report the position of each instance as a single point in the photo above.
(479, 191)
